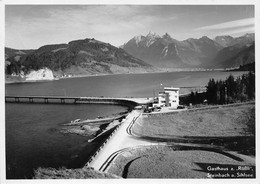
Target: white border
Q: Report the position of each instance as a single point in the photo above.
(124, 2)
(140, 2)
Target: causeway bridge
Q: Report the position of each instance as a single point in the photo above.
(132, 102)
(120, 140)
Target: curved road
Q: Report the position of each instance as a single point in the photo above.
(125, 139)
(121, 141)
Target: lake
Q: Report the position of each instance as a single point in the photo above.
(33, 137)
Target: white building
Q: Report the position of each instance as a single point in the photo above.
(161, 99)
(168, 98)
(172, 96)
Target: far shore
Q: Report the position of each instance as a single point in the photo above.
(163, 70)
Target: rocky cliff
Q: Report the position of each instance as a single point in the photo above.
(42, 74)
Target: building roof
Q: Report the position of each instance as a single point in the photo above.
(171, 89)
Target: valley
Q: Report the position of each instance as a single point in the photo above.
(141, 54)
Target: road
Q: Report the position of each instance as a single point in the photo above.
(120, 141)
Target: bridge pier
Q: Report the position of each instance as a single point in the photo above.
(62, 100)
(17, 99)
(31, 100)
(46, 100)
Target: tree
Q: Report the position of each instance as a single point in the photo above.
(231, 88)
(251, 86)
(212, 91)
(192, 97)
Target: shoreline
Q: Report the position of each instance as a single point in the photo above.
(248, 161)
(108, 74)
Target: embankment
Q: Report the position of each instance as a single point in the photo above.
(113, 101)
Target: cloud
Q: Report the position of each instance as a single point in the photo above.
(93, 20)
(239, 31)
(64, 23)
(228, 25)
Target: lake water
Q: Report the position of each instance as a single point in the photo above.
(33, 137)
(136, 85)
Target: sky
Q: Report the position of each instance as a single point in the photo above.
(32, 26)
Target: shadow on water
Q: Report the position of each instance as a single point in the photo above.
(88, 151)
(81, 158)
(76, 161)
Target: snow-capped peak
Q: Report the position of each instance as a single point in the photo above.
(138, 39)
(151, 38)
(152, 35)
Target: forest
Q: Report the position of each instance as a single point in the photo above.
(226, 91)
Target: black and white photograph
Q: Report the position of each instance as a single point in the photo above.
(122, 90)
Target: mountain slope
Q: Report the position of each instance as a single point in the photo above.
(204, 50)
(239, 56)
(164, 51)
(9, 52)
(227, 41)
(224, 41)
(222, 60)
(88, 56)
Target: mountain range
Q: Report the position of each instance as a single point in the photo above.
(140, 54)
(165, 51)
(79, 57)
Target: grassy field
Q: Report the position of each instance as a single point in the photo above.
(226, 121)
(176, 162)
(228, 135)
(228, 128)
(196, 141)
(63, 173)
